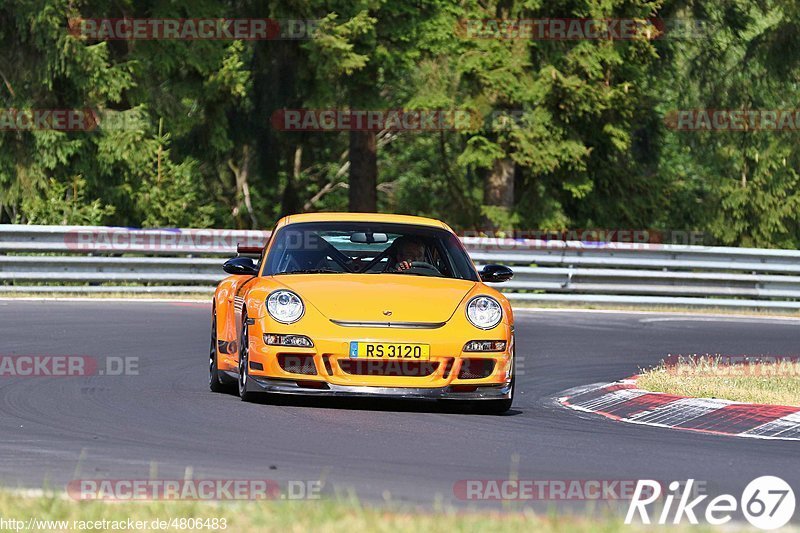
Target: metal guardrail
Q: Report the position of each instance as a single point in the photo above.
(105, 259)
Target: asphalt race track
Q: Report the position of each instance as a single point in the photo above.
(164, 420)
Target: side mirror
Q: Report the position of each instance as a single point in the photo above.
(496, 273)
(242, 266)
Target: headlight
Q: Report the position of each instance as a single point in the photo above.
(285, 306)
(484, 312)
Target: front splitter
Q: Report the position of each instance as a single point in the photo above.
(280, 386)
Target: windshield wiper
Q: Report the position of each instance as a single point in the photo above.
(311, 271)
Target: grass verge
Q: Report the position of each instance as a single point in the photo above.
(765, 382)
(321, 515)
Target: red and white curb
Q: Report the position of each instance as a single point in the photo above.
(623, 401)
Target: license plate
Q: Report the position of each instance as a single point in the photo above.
(390, 350)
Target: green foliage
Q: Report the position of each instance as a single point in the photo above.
(185, 136)
(742, 187)
(64, 204)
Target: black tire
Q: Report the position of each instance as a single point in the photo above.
(494, 407)
(244, 347)
(215, 378)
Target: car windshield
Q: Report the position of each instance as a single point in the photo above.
(368, 248)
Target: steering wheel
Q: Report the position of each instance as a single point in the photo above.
(424, 268)
(423, 264)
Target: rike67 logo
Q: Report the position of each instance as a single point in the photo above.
(767, 502)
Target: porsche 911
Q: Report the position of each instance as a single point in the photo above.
(363, 305)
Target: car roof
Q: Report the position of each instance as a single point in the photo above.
(362, 217)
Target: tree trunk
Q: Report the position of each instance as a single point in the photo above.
(290, 202)
(363, 172)
(498, 189)
(241, 174)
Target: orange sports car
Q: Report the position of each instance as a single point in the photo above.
(370, 305)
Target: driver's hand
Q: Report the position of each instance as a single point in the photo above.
(403, 265)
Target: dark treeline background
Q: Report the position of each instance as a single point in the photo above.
(194, 146)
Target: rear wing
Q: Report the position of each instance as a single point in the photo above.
(241, 249)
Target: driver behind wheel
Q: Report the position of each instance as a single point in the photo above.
(406, 251)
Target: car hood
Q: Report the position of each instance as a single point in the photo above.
(368, 297)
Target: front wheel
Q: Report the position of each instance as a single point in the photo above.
(492, 407)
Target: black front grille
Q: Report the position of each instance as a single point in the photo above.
(388, 368)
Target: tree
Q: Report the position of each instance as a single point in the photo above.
(742, 187)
